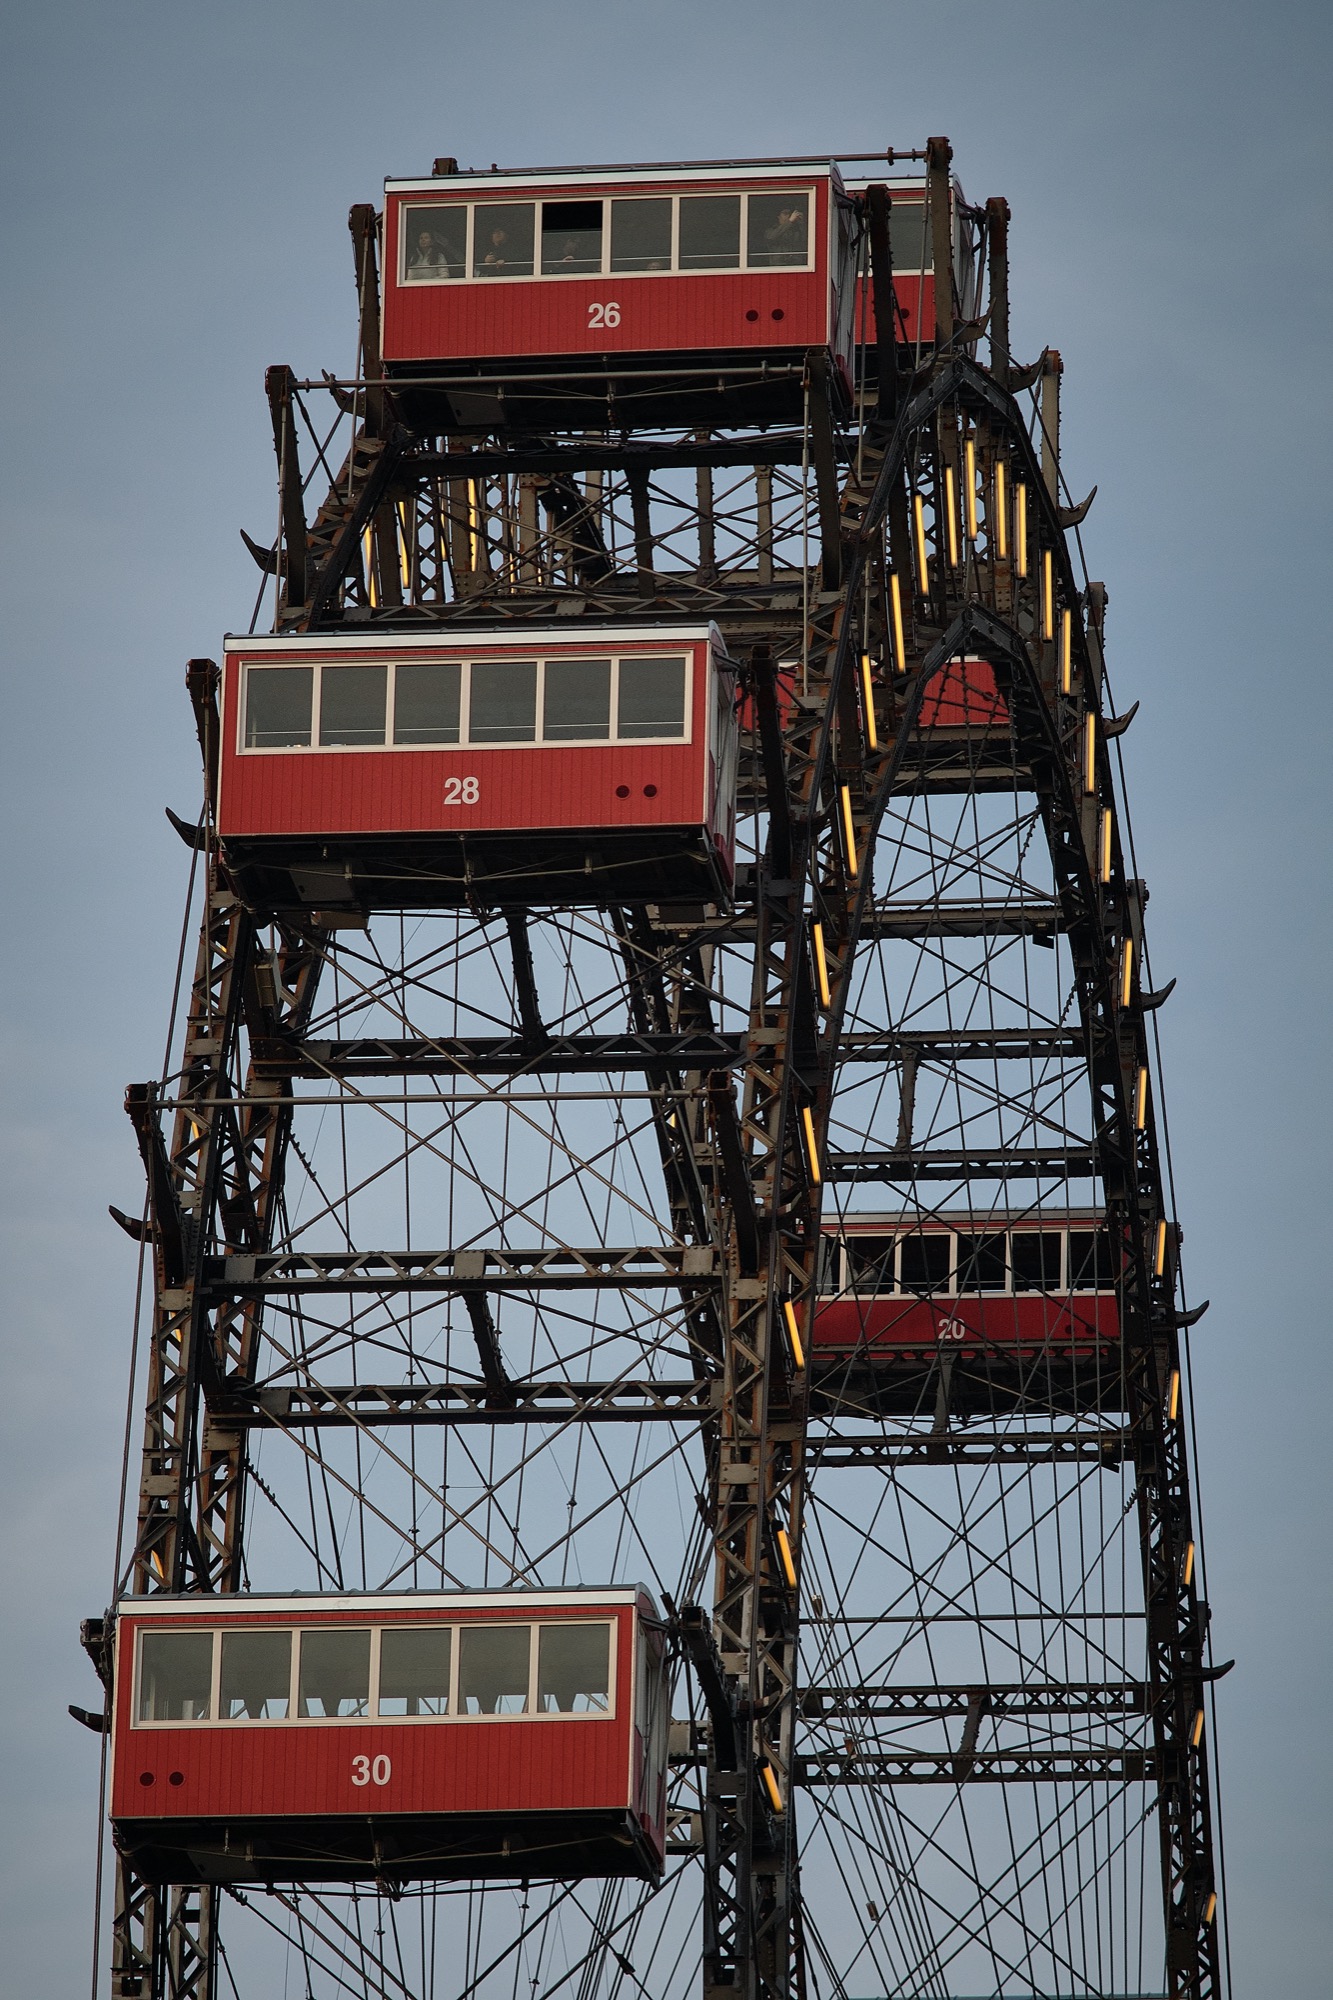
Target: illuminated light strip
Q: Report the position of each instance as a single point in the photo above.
(1001, 518)
(771, 1787)
(1173, 1399)
(1108, 821)
(1159, 1261)
(872, 734)
(849, 834)
(367, 557)
(793, 1334)
(1187, 1573)
(896, 604)
(404, 549)
(1126, 972)
(1021, 511)
(1210, 1907)
(821, 964)
(788, 1564)
(1090, 754)
(1197, 1732)
(971, 454)
(811, 1149)
(922, 565)
(1066, 651)
(473, 524)
(1141, 1100)
(1047, 594)
(951, 511)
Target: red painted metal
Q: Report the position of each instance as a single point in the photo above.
(1060, 1322)
(600, 791)
(964, 696)
(576, 1771)
(766, 311)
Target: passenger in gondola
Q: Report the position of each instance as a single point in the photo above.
(786, 238)
(428, 259)
(495, 260)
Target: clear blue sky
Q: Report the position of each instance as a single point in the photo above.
(177, 178)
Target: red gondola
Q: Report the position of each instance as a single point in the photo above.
(393, 1738)
(684, 294)
(394, 771)
(901, 1287)
(913, 269)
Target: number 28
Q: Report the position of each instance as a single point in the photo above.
(461, 791)
(607, 315)
(366, 1771)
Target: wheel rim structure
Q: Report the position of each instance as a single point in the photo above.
(487, 1239)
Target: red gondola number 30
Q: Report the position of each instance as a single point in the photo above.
(366, 1772)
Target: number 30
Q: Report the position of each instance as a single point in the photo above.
(364, 1772)
(607, 315)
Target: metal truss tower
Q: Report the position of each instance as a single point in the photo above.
(486, 1243)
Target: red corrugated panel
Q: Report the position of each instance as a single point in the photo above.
(407, 790)
(964, 695)
(1033, 1322)
(481, 1765)
(665, 312)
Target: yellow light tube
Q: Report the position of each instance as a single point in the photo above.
(1001, 518)
(473, 523)
(872, 734)
(1141, 1100)
(771, 1787)
(896, 605)
(971, 453)
(1197, 1732)
(404, 549)
(1021, 525)
(811, 1149)
(368, 558)
(793, 1334)
(788, 1565)
(1108, 823)
(951, 512)
(1159, 1261)
(1127, 972)
(848, 831)
(1047, 594)
(1066, 651)
(1173, 1398)
(1210, 1907)
(922, 565)
(1188, 1571)
(1090, 753)
(821, 964)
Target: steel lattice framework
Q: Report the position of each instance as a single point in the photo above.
(479, 1236)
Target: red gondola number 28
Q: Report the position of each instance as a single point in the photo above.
(368, 1771)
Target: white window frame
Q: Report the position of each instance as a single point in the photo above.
(535, 742)
(1063, 1286)
(372, 1717)
(414, 204)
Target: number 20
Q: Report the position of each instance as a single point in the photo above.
(461, 791)
(607, 315)
(364, 1772)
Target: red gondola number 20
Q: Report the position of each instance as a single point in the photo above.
(366, 1771)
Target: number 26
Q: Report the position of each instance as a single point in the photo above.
(607, 315)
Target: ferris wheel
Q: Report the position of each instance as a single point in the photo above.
(665, 1445)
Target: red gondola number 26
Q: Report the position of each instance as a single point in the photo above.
(368, 1771)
